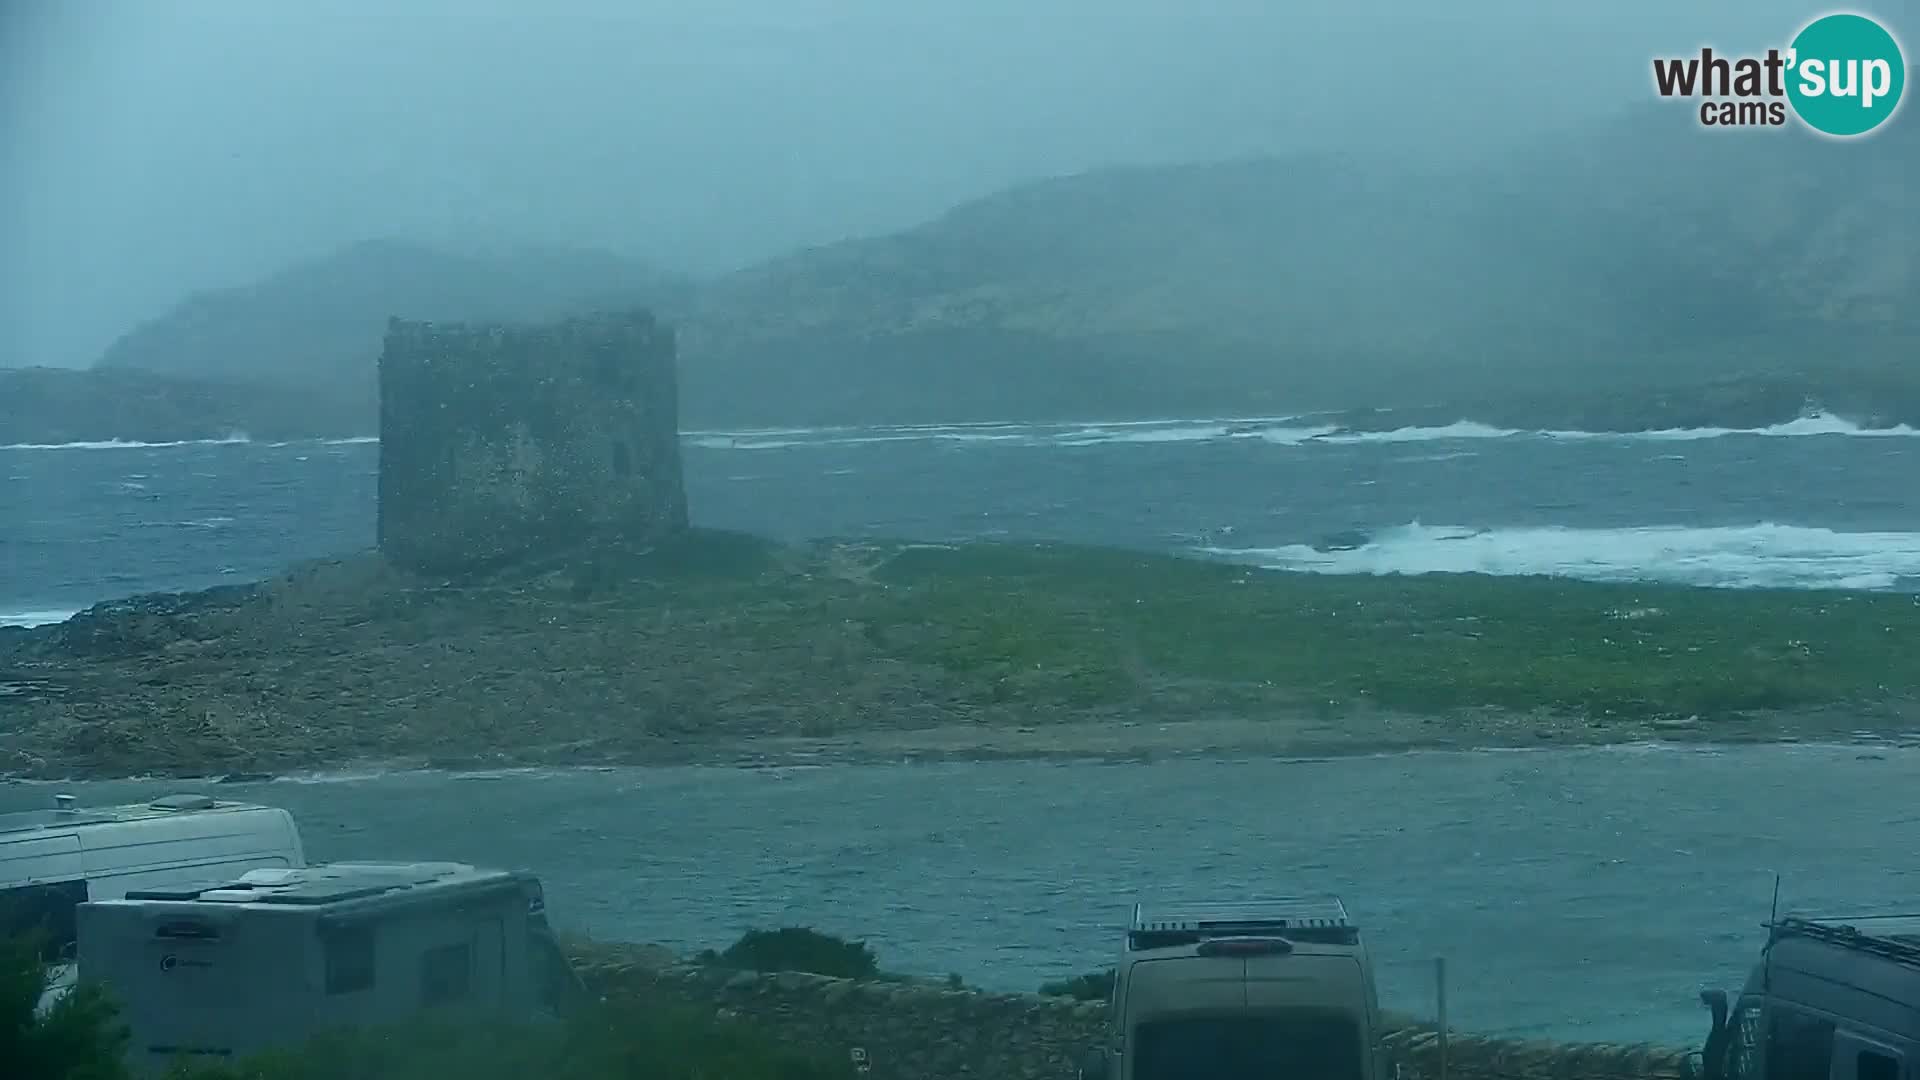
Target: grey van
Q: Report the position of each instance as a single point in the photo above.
(1830, 999)
(1279, 987)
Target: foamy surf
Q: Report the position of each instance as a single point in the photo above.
(1303, 430)
(1818, 424)
(42, 617)
(1459, 429)
(129, 444)
(1752, 556)
(236, 439)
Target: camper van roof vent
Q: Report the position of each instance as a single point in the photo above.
(313, 886)
(1895, 938)
(1318, 919)
(182, 802)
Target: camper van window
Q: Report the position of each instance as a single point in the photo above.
(349, 960)
(446, 973)
(1799, 1046)
(46, 910)
(1876, 1066)
(1304, 1044)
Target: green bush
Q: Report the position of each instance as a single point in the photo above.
(1093, 986)
(627, 1037)
(631, 1036)
(796, 948)
(80, 1038)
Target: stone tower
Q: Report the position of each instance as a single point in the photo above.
(499, 443)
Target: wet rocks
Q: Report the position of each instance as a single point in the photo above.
(914, 1030)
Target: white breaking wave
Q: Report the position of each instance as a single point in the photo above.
(1459, 429)
(1817, 424)
(1273, 433)
(127, 444)
(1749, 556)
(1300, 430)
(1090, 433)
(1281, 430)
(36, 618)
(236, 439)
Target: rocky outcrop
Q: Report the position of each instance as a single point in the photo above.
(915, 1031)
(501, 442)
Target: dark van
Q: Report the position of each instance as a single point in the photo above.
(1830, 999)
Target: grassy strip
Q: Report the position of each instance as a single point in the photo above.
(1089, 626)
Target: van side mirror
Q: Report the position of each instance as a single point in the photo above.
(1093, 1065)
(1716, 1002)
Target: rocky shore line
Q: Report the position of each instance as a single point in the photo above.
(40, 407)
(911, 1029)
(729, 649)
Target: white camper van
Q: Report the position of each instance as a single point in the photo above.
(1280, 987)
(52, 860)
(277, 956)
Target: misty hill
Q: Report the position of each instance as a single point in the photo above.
(294, 355)
(323, 320)
(62, 405)
(1649, 268)
(1651, 253)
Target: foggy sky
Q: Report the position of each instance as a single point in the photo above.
(152, 149)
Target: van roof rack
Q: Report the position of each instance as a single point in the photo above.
(1901, 944)
(1318, 919)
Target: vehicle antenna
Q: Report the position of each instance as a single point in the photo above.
(1773, 922)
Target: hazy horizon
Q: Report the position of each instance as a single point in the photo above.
(153, 154)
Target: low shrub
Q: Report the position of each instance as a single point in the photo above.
(796, 948)
(1093, 986)
(621, 1038)
(629, 1036)
(79, 1038)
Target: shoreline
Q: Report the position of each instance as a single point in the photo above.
(1329, 425)
(728, 649)
(964, 746)
(1713, 411)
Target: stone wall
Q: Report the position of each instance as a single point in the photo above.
(501, 442)
(916, 1031)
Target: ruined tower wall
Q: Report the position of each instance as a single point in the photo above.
(499, 443)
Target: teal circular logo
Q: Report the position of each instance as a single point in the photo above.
(1846, 74)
